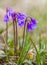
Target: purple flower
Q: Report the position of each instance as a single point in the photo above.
(9, 11)
(12, 13)
(34, 21)
(32, 24)
(6, 18)
(31, 27)
(14, 16)
(21, 19)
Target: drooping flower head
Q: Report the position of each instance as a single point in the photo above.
(10, 13)
(21, 19)
(34, 21)
(32, 24)
(6, 18)
(7, 15)
(14, 16)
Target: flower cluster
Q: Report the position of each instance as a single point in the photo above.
(21, 18)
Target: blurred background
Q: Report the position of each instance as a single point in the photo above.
(33, 8)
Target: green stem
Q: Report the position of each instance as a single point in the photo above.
(34, 45)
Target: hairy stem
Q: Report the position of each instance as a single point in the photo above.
(16, 33)
(15, 36)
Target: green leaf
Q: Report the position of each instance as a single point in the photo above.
(24, 51)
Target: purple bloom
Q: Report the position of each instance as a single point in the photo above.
(9, 11)
(34, 21)
(21, 19)
(6, 18)
(32, 25)
(14, 16)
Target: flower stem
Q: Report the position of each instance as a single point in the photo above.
(15, 36)
(16, 33)
(24, 32)
(6, 34)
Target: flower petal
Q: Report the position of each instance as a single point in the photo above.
(21, 19)
(34, 21)
(31, 27)
(6, 18)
